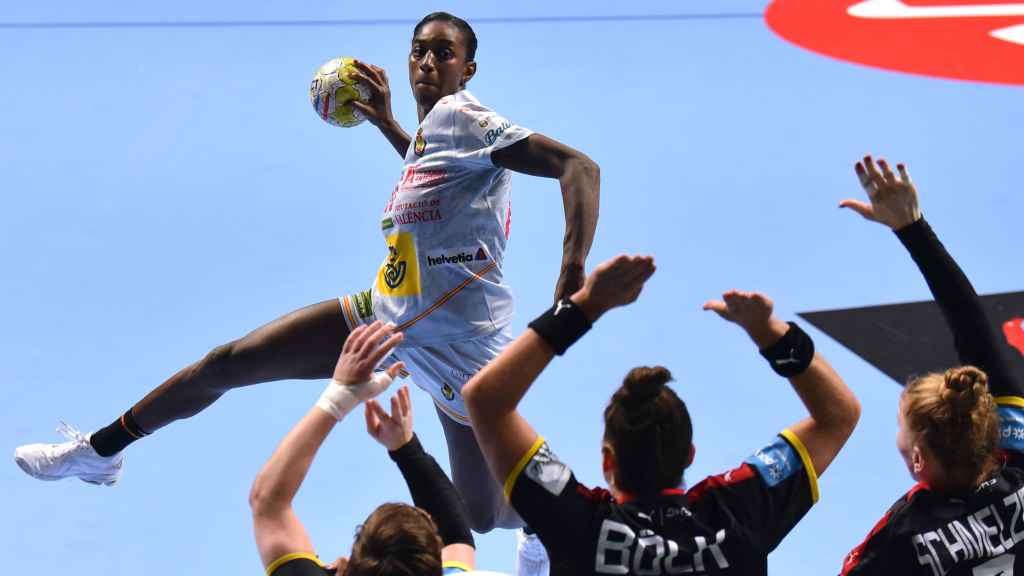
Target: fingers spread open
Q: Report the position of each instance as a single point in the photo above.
(862, 175)
(404, 402)
(887, 172)
(372, 422)
(360, 338)
(386, 347)
(904, 175)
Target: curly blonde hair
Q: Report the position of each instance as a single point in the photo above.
(954, 416)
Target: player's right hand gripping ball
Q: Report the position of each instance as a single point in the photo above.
(332, 90)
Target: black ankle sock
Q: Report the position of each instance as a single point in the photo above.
(114, 437)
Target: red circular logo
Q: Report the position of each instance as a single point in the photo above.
(961, 39)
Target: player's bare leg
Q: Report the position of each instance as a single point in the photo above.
(303, 344)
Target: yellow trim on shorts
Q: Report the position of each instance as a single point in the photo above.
(510, 481)
(456, 564)
(292, 556)
(1010, 401)
(812, 476)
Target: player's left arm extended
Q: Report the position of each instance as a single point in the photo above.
(580, 180)
(277, 528)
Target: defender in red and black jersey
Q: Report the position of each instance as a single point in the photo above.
(645, 524)
(726, 524)
(977, 530)
(432, 538)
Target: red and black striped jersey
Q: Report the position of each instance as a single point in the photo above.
(726, 524)
(980, 532)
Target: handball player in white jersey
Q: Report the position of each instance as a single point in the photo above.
(446, 225)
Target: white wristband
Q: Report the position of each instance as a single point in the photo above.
(339, 399)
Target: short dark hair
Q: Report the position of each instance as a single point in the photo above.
(396, 540)
(650, 430)
(468, 36)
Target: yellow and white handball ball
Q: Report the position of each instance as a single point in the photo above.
(332, 91)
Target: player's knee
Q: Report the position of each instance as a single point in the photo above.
(216, 367)
(481, 519)
(490, 511)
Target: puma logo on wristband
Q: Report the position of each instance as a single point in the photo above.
(562, 305)
(791, 360)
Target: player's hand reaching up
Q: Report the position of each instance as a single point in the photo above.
(752, 311)
(363, 351)
(378, 109)
(893, 198)
(394, 430)
(614, 283)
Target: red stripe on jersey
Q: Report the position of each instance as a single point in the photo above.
(627, 497)
(594, 494)
(744, 472)
(917, 488)
(853, 558)
(508, 220)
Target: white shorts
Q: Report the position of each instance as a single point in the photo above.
(439, 369)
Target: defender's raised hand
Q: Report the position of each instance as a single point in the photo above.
(395, 430)
(752, 311)
(893, 198)
(613, 283)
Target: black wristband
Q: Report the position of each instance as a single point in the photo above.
(561, 325)
(792, 354)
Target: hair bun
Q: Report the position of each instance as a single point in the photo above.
(965, 386)
(644, 383)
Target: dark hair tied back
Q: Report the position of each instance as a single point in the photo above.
(644, 384)
(649, 429)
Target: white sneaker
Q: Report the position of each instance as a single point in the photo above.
(73, 458)
(531, 556)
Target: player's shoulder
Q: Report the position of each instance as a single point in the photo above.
(297, 564)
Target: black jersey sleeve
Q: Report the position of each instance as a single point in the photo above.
(769, 493)
(975, 340)
(545, 493)
(877, 554)
(297, 564)
(432, 491)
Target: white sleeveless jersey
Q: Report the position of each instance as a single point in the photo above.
(446, 226)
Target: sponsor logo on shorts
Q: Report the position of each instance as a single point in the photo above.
(421, 144)
(448, 392)
(978, 40)
(458, 256)
(399, 275)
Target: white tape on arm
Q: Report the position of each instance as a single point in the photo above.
(339, 399)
